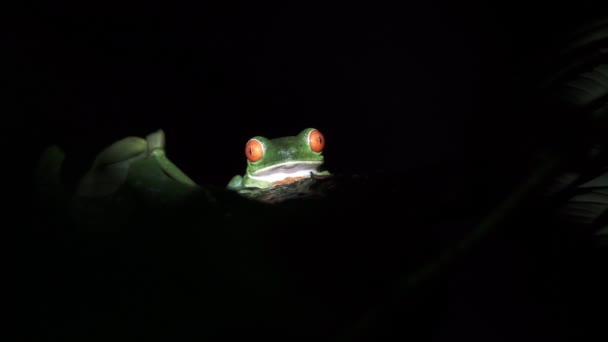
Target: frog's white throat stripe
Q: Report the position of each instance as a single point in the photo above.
(286, 170)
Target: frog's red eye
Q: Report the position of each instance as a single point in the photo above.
(254, 150)
(316, 140)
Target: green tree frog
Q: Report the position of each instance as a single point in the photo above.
(272, 162)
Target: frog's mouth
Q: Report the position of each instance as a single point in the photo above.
(286, 172)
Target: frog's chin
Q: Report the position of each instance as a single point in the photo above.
(286, 172)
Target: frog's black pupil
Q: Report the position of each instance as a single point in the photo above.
(250, 152)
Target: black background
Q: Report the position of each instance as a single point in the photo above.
(392, 87)
(415, 86)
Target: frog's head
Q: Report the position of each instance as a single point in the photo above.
(284, 160)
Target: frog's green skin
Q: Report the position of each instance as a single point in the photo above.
(135, 172)
(283, 157)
